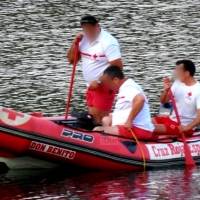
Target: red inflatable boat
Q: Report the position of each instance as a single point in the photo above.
(35, 141)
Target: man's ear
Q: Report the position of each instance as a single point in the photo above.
(115, 79)
(187, 73)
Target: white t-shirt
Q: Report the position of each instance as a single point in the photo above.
(187, 100)
(123, 106)
(96, 56)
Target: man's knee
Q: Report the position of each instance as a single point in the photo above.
(94, 113)
(153, 120)
(98, 114)
(98, 128)
(160, 129)
(106, 121)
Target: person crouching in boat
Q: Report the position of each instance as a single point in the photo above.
(131, 114)
(186, 91)
(97, 50)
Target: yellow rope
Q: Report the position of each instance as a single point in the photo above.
(144, 161)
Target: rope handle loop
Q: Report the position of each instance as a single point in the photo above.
(138, 143)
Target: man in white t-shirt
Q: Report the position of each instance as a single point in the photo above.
(131, 109)
(186, 91)
(97, 50)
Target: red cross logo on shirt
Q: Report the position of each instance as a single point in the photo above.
(95, 56)
(121, 97)
(189, 94)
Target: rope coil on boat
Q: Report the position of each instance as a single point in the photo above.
(138, 143)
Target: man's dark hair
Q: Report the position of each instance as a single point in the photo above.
(114, 71)
(188, 65)
(89, 20)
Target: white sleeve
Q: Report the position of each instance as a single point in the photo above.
(198, 101)
(112, 52)
(132, 94)
(174, 86)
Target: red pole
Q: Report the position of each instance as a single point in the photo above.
(189, 161)
(72, 79)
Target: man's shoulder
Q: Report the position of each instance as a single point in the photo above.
(130, 84)
(108, 39)
(198, 87)
(83, 42)
(198, 83)
(177, 82)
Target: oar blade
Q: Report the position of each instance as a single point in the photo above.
(189, 160)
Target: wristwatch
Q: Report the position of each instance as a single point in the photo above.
(98, 81)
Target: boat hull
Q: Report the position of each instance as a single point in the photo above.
(44, 143)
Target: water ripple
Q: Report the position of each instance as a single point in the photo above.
(35, 75)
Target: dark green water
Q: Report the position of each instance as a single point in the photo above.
(45, 184)
(35, 75)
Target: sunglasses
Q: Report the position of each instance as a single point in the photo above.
(88, 21)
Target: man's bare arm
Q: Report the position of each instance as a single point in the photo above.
(137, 105)
(117, 62)
(195, 122)
(71, 52)
(164, 97)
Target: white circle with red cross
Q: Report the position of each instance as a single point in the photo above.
(12, 117)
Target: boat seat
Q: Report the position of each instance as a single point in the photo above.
(82, 116)
(197, 129)
(84, 120)
(165, 109)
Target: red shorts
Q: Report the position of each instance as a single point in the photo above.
(139, 133)
(102, 98)
(170, 125)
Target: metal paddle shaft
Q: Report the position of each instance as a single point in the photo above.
(72, 79)
(189, 161)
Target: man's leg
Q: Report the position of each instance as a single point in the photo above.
(153, 120)
(159, 124)
(160, 129)
(97, 114)
(107, 121)
(100, 102)
(165, 126)
(122, 131)
(110, 129)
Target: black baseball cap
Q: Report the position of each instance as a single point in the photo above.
(89, 20)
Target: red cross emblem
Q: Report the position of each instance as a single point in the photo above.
(189, 94)
(12, 114)
(172, 126)
(95, 56)
(12, 117)
(121, 97)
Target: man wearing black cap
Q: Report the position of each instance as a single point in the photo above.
(97, 50)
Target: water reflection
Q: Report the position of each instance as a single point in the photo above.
(35, 36)
(163, 184)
